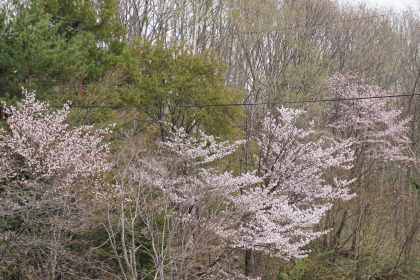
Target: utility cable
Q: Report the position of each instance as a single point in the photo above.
(245, 104)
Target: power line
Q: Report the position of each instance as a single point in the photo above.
(247, 104)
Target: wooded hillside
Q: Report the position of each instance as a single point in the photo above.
(208, 139)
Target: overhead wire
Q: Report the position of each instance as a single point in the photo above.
(243, 104)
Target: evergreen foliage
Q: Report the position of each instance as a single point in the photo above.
(36, 55)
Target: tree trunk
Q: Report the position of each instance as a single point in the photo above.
(337, 236)
(249, 263)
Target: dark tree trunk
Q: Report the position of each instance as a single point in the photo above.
(249, 263)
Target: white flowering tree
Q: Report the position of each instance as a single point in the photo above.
(375, 126)
(39, 146)
(274, 209)
(193, 209)
(294, 165)
(379, 133)
(49, 174)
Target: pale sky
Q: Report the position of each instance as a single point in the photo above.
(398, 5)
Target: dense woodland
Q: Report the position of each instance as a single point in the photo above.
(208, 139)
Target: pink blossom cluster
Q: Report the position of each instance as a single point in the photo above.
(296, 190)
(196, 179)
(375, 126)
(275, 208)
(39, 146)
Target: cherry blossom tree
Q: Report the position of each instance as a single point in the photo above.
(49, 173)
(273, 210)
(379, 134)
(375, 126)
(208, 209)
(47, 148)
(293, 164)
